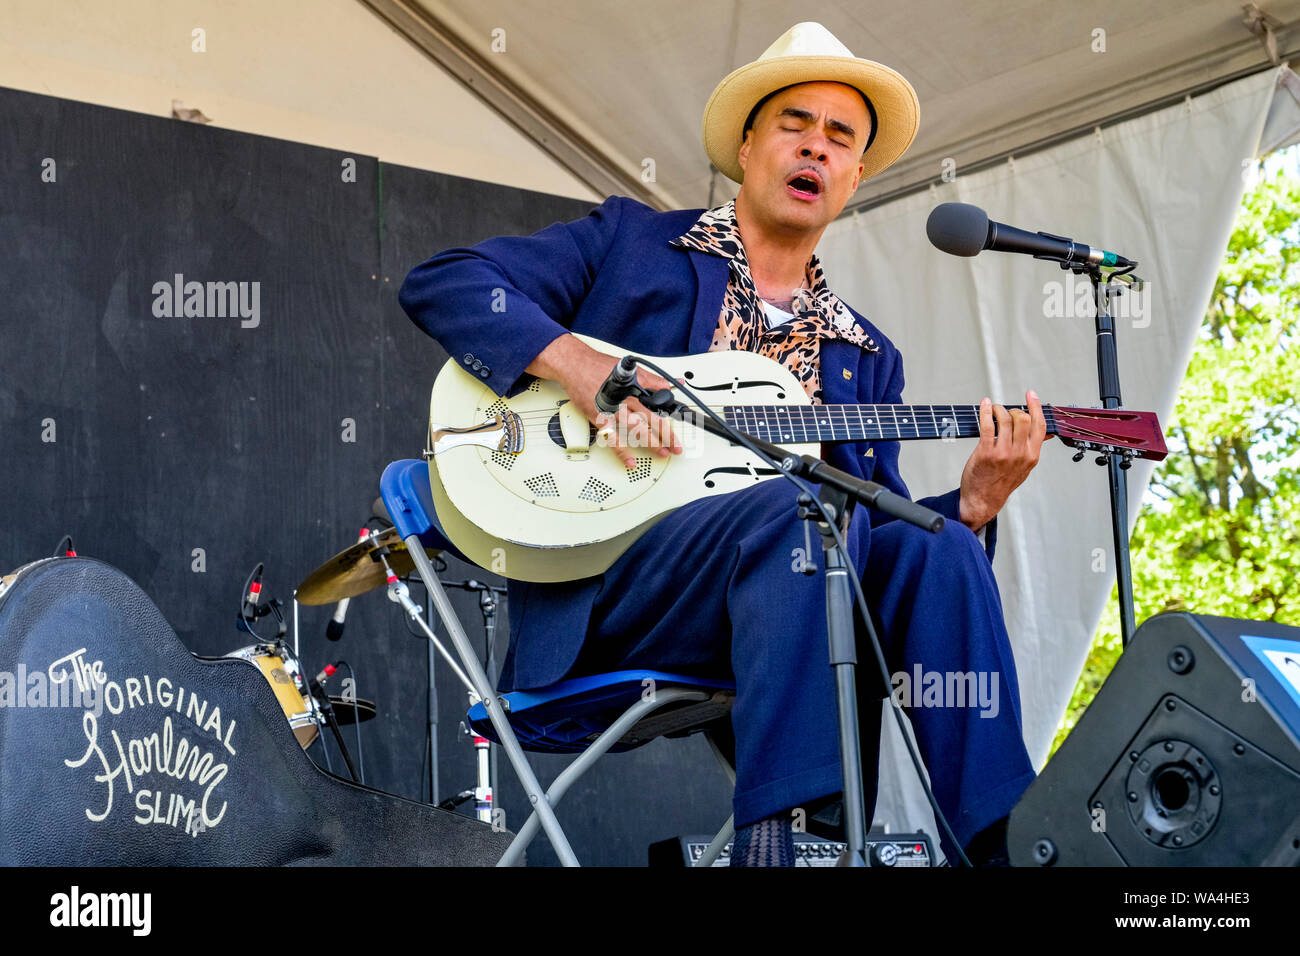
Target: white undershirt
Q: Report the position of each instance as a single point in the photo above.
(776, 316)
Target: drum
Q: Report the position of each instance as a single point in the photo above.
(281, 670)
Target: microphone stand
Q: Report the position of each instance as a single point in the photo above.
(840, 491)
(1117, 465)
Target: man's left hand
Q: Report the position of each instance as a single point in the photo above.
(1000, 462)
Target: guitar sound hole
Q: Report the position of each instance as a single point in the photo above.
(556, 433)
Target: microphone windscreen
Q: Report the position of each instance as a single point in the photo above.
(958, 228)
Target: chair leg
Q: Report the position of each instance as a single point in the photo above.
(710, 855)
(584, 761)
(487, 693)
(727, 768)
(728, 830)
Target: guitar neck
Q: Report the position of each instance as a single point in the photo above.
(800, 424)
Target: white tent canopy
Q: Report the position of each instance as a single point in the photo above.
(604, 86)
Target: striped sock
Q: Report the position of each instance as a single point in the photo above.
(769, 842)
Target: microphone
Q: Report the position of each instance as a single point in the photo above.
(328, 671)
(334, 630)
(961, 229)
(248, 607)
(617, 386)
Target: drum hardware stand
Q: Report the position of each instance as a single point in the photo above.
(485, 792)
(327, 712)
(317, 710)
(1117, 464)
(399, 593)
(496, 706)
(431, 656)
(482, 794)
(296, 652)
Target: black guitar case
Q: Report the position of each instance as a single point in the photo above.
(179, 760)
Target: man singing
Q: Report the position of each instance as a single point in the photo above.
(712, 590)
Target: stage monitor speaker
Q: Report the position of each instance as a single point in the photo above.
(1188, 756)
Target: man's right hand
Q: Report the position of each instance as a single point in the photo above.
(581, 371)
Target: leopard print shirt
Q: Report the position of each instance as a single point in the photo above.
(743, 324)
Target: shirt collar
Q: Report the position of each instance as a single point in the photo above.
(716, 233)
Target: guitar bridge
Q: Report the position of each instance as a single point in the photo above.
(505, 433)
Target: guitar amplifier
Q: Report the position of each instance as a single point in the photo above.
(896, 849)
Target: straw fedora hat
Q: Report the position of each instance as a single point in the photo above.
(809, 53)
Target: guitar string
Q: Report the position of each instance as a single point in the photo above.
(823, 419)
(967, 419)
(964, 412)
(541, 421)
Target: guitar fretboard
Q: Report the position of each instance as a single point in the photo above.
(799, 424)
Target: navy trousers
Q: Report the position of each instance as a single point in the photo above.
(715, 589)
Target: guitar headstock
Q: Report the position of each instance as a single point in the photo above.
(1110, 430)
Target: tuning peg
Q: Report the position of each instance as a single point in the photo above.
(1078, 455)
(1102, 459)
(1126, 462)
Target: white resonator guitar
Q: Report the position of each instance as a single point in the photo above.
(524, 487)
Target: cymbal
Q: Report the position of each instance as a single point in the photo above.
(357, 710)
(356, 570)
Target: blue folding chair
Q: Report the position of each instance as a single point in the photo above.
(588, 716)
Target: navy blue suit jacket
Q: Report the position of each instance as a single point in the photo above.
(613, 275)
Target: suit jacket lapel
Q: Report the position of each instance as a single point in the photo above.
(837, 358)
(711, 274)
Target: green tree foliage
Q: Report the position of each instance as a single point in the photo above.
(1219, 531)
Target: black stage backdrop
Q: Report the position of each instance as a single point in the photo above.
(184, 450)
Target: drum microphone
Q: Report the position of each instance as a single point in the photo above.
(617, 386)
(961, 229)
(334, 630)
(328, 671)
(248, 609)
